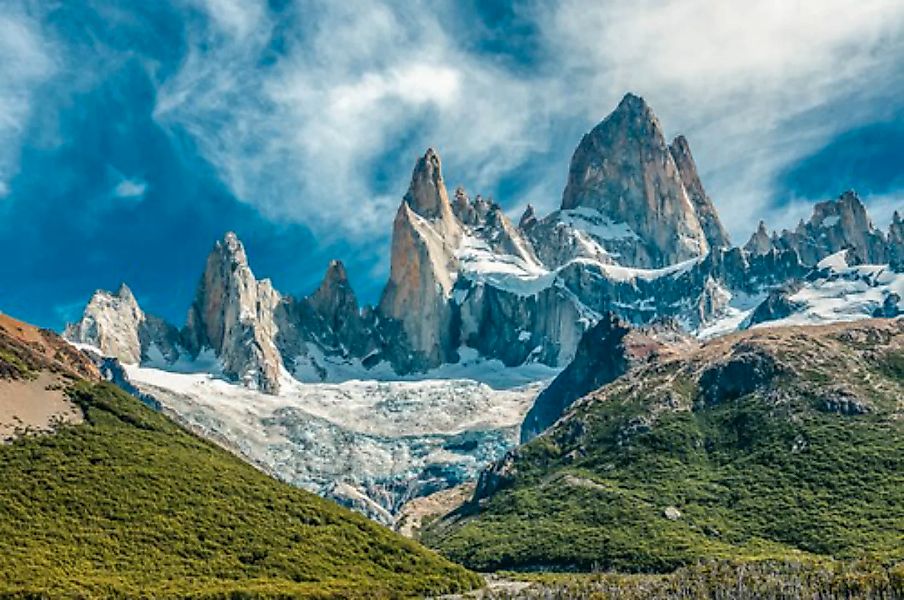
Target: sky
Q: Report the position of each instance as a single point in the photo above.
(135, 134)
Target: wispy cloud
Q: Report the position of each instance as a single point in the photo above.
(316, 114)
(26, 63)
(365, 89)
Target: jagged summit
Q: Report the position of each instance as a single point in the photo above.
(637, 235)
(633, 104)
(760, 242)
(427, 195)
(423, 264)
(115, 324)
(703, 205)
(528, 218)
(335, 293)
(624, 170)
(834, 226)
(233, 315)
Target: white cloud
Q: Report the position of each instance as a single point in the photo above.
(360, 85)
(25, 65)
(301, 137)
(238, 18)
(739, 79)
(131, 189)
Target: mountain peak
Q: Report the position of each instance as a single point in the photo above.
(703, 205)
(231, 246)
(124, 293)
(233, 315)
(528, 218)
(111, 323)
(624, 169)
(760, 242)
(335, 271)
(427, 195)
(335, 290)
(633, 103)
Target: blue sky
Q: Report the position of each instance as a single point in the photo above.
(133, 134)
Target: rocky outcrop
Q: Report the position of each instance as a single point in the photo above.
(424, 263)
(890, 307)
(110, 323)
(703, 205)
(115, 324)
(837, 225)
(777, 305)
(760, 242)
(625, 170)
(233, 315)
(528, 218)
(335, 303)
(606, 351)
(896, 242)
(745, 370)
(462, 274)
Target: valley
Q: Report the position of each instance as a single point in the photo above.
(611, 400)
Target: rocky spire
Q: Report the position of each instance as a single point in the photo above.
(462, 207)
(528, 218)
(425, 237)
(427, 194)
(233, 315)
(116, 325)
(759, 242)
(836, 225)
(896, 242)
(110, 323)
(624, 170)
(706, 211)
(336, 303)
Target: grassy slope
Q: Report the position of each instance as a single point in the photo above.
(129, 504)
(769, 474)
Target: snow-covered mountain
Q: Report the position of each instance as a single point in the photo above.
(376, 405)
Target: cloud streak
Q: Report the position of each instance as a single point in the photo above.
(26, 64)
(316, 114)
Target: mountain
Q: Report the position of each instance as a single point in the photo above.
(425, 236)
(232, 315)
(478, 314)
(625, 171)
(607, 351)
(114, 323)
(115, 500)
(775, 443)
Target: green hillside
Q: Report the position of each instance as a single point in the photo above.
(780, 444)
(130, 505)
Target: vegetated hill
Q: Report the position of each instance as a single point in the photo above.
(128, 504)
(782, 443)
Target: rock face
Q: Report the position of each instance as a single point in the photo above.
(636, 243)
(625, 170)
(463, 275)
(837, 225)
(335, 303)
(425, 237)
(607, 351)
(233, 315)
(896, 242)
(116, 325)
(703, 205)
(760, 242)
(110, 322)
